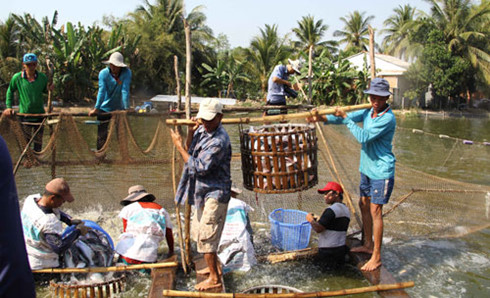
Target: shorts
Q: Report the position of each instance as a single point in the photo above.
(211, 221)
(378, 190)
(277, 111)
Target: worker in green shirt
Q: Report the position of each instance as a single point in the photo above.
(30, 85)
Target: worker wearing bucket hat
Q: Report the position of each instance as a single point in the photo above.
(145, 225)
(377, 163)
(206, 181)
(31, 86)
(331, 227)
(279, 86)
(113, 95)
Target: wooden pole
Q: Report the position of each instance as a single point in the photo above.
(177, 81)
(107, 269)
(349, 201)
(27, 146)
(177, 212)
(188, 64)
(283, 117)
(310, 74)
(376, 288)
(371, 52)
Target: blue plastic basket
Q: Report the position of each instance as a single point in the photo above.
(289, 229)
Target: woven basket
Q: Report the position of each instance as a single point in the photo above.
(280, 158)
(102, 289)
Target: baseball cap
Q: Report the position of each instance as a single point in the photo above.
(379, 86)
(59, 186)
(331, 186)
(208, 109)
(29, 58)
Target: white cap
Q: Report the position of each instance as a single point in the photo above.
(208, 109)
(116, 59)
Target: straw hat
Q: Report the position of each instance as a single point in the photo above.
(136, 193)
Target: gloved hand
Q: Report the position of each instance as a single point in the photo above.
(76, 222)
(83, 228)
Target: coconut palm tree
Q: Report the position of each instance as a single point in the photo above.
(399, 28)
(355, 33)
(9, 38)
(310, 34)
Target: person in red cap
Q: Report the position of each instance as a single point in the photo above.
(42, 223)
(331, 227)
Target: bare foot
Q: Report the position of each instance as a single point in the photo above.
(205, 271)
(371, 265)
(365, 249)
(207, 284)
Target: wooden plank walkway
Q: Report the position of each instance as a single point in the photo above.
(162, 279)
(376, 277)
(200, 264)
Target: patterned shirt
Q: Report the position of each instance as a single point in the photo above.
(207, 172)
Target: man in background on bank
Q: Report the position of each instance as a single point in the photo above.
(206, 181)
(31, 85)
(113, 95)
(377, 163)
(279, 86)
(331, 227)
(42, 222)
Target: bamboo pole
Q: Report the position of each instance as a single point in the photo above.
(371, 52)
(282, 117)
(376, 288)
(27, 146)
(107, 269)
(177, 81)
(349, 200)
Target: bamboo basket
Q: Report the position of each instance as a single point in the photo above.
(279, 158)
(103, 289)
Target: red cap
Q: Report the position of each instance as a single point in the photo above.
(331, 186)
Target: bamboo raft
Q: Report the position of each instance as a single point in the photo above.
(103, 289)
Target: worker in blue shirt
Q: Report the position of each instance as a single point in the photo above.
(377, 163)
(279, 85)
(113, 95)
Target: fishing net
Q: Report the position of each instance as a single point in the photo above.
(139, 150)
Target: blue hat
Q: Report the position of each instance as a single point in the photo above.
(379, 87)
(29, 58)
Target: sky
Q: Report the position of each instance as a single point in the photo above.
(239, 20)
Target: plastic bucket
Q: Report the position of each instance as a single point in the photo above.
(289, 229)
(90, 224)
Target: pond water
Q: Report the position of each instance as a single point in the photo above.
(452, 267)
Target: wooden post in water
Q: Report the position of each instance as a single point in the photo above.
(371, 52)
(177, 82)
(188, 54)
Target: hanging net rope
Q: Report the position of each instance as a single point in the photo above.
(139, 151)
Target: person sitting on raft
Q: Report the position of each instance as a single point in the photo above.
(331, 227)
(42, 224)
(145, 224)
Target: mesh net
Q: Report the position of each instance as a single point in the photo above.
(139, 150)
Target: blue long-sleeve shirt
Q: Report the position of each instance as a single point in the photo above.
(376, 137)
(113, 94)
(206, 173)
